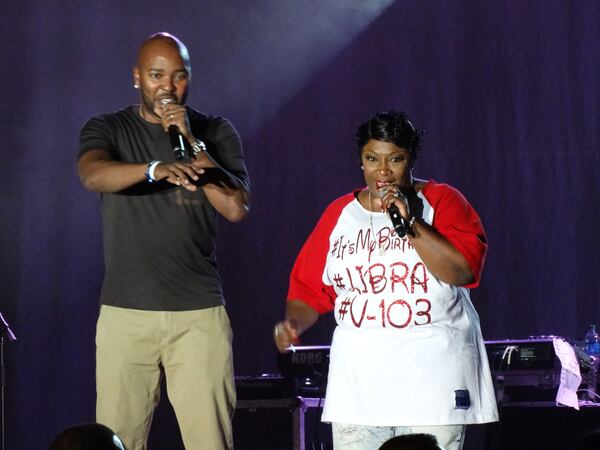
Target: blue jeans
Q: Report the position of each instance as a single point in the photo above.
(365, 437)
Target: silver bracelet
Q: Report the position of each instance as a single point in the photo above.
(409, 228)
(198, 147)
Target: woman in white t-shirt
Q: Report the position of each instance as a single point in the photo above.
(394, 261)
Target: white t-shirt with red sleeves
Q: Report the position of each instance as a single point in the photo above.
(407, 349)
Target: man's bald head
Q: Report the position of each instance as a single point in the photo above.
(158, 40)
(162, 74)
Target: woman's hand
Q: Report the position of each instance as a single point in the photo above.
(392, 194)
(285, 334)
(299, 317)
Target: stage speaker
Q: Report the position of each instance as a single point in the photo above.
(269, 424)
(547, 427)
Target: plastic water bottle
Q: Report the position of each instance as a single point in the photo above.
(592, 342)
(592, 348)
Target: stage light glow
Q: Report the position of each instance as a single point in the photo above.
(278, 47)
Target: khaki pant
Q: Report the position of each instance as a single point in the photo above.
(194, 350)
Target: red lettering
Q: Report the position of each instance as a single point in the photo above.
(364, 241)
(383, 240)
(378, 282)
(416, 281)
(352, 287)
(377, 277)
(407, 306)
(395, 278)
(362, 316)
(425, 312)
(362, 279)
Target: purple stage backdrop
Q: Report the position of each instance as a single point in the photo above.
(508, 92)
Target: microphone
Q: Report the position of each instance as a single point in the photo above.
(177, 142)
(175, 136)
(397, 220)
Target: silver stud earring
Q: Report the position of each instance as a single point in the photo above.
(136, 86)
(362, 167)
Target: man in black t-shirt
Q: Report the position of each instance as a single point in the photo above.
(161, 302)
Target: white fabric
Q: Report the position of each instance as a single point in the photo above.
(570, 376)
(405, 341)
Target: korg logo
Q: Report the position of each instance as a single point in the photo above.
(307, 358)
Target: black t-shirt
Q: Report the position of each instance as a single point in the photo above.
(159, 239)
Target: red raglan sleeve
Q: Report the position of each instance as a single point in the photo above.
(306, 278)
(456, 220)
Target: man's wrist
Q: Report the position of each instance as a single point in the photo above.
(198, 147)
(150, 171)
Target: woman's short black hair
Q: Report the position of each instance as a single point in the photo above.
(392, 126)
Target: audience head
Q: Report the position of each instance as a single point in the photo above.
(87, 436)
(412, 442)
